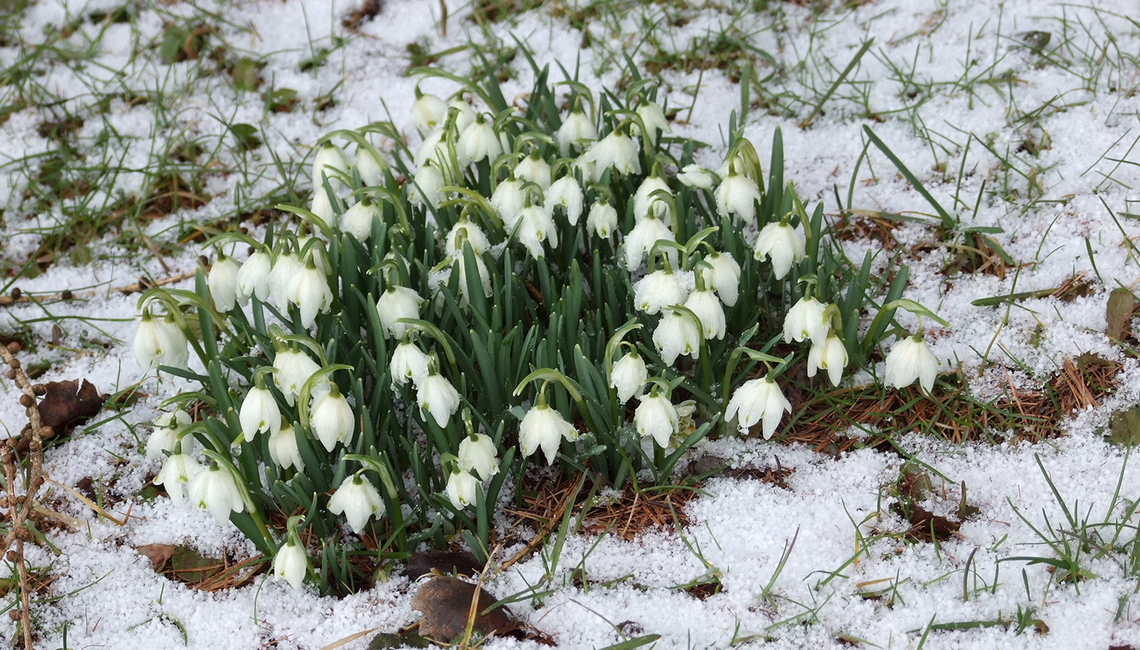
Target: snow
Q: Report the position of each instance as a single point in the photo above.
(836, 509)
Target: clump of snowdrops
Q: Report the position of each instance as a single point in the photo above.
(552, 281)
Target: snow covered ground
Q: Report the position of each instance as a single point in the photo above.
(1005, 129)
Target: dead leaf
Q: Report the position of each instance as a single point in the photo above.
(444, 562)
(69, 403)
(158, 554)
(446, 602)
(1121, 305)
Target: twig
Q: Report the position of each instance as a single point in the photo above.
(136, 287)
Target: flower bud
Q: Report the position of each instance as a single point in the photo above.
(478, 142)
(222, 281)
(290, 564)
(576, 130)
(706, 306)
(426, 187)
(370, 166)
(283, 450)
(397, 303)
(357, 220)
(653, 117)
(326, 164)
(428, 112)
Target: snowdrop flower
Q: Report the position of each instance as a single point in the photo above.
(322, 205)
(534, 169)
(508, 200)
(807, 319)
(432, 150)
(478, 455)
(831, 356)
(160, 342)
(724, 276)
(436, 395)
(428, 112)
(464, 116)
(326, 164)
(576, 129)
(544, 427)
(290, 564)
(357, 220)
(677, 334)
(477, 142)
(397, 303)
(281, 276)
(644, 200)
(783, 243)
(283, 449)
(616, 150)
(222, 281)
(427, 184)
(168, 429)
(408, 362)
(177, 471)
(653, 117)
(469, 231)
(658, 290)
(603, 220)
(293, 369)
(567, 193)
(738, 195)
(214, 490)
(695, 176)
(358, 500)
(332, 419)
(460, 267)
(641, 239)
(534, 227)
(253, 277)
(706, 306)
(756, 399)
(656, 416)
(628, 376)
(369, 166)
(911, 359)
(259, 412)
(310, 292)
(461, 489)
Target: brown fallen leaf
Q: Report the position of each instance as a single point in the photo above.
(69, 403)
(446, 603)
(158, 554)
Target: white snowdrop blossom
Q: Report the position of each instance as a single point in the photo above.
(397, 303)
(290, 564)
(910, 359)
(658, 290)
(478, 455)
(358, 500)
(332, 419)
(535, 226)
(544, 427)
(330, 160)
(215, 491)
(283, 449)
(534, 169)
(293, 369)
(616, 150)
(677, 334)
(806, 320)
(428, 112)
(369, 166)
(436, 396)
(628, 376)
(657, 417)
(461, 489)
(478, 142)
(168, 429)
(737, 195)
(469, 231)
(603, 220)
(465, 114)
(758, 399)
(432, 150)
(222, 282)
(831, 356)
(641, 239)
(724, 277)
(160, 342)
(311, 293)
(481, 271)
(427, 184)
(653, 117)
(408, 363)
(281, 276)
(644, 200)
(253, 277)
(508, 200)
(322, 205)
(576, 130)
(259, 412)
(357, 220)
(695, 176)
(783, 243)
(706, 306)
(176, 472)
(567, 193)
